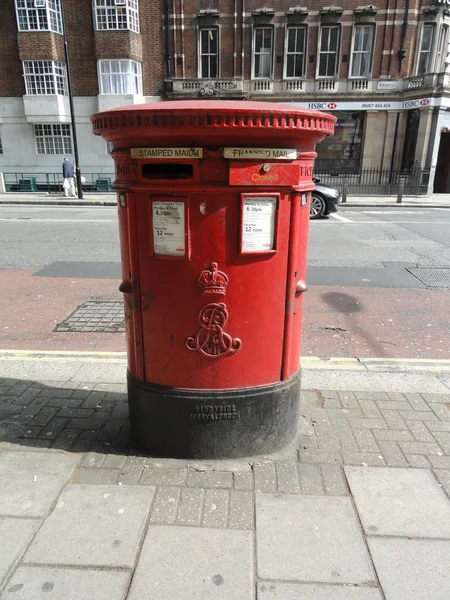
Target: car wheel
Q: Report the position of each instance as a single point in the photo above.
(317, 207)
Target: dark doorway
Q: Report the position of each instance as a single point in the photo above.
(442, 175)
(409, 147)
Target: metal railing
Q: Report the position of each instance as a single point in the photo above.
(337, 174)
(375, 182)
(52, 183)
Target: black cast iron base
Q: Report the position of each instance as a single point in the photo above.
(179, 423)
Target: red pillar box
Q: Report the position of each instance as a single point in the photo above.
(213, 201)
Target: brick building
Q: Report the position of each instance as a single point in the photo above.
(381, 69)
(116, 58)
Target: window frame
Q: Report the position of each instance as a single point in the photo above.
(120, 73)
(439, 62)
(372, 27)
(57, 79)
(272, 53)
(200, 54)
(286, 53)
(44, 138)
(338, 50)
(110, 8)
(1, 144)
(431, 54)
(53, 15)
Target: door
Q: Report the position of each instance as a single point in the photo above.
(212, 314)
(442, 175)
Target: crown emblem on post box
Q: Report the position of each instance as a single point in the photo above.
(212, 281)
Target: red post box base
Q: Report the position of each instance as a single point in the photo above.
(179, 423)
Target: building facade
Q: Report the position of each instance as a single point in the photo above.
(382, 69)
(116, 58)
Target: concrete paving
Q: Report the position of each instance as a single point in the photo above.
(412, 569)
(358, 508)
(41, 583)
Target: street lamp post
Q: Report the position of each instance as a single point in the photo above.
(72, 111)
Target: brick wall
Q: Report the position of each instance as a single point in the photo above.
(151, 24)
(86, 47)
(387, 34)
(81, 45)
(11, 80)
(40, 45)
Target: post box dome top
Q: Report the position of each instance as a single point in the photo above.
(213, 122)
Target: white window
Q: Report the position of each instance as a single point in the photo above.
(295, 52)
(362, 50)
(329, 50)
(209, 53)
(45, 77)
(39, 15)
(426, 46)
(53, 139)
(441, 54)
(109, 148)
(116, 14)
(263, 52)
(120, 77)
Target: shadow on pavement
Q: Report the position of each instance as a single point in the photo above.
(84, 418)
(349, 305)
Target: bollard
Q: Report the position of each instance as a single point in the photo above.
(344, 190)
(401, 188)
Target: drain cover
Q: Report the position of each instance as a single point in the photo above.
(438, 278)
(95, 316)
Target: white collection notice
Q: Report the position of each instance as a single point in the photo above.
(169, 228)
(258, 224)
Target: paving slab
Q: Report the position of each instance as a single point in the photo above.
(310, 539)
(320, 379)
(15, 535)
(94, 526)
(31, 481)
(44, 583)
(403, 502)
(268, 590)
(178, 563)
(412, 569)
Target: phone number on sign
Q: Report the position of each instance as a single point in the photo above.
(375, 105)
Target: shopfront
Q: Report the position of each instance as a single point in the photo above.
(376, 134)
(344, 149)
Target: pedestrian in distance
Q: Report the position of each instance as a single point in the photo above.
(68, 175)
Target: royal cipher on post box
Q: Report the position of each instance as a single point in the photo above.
(213, 202)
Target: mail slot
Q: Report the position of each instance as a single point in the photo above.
(213, 203)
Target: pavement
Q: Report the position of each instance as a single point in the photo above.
(358, 508)
(105, 199)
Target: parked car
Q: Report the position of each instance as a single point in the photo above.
(324, 200)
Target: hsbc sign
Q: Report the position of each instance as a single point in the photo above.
(322, 105)
(416, 103)
(372, 104)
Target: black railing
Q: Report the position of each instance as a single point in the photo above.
(375, 182)
(52, 183)
(359, 182)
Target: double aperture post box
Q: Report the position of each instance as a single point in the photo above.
(213, 201)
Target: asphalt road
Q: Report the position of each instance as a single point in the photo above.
(362, 300)
(366, 247)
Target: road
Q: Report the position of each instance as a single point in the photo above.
(365, 298)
